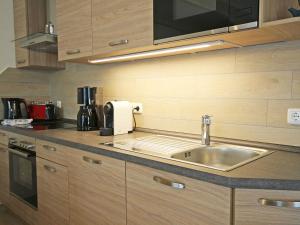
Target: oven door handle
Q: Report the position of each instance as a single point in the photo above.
(22, 154)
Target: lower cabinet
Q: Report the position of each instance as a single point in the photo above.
(4, 174)
(97, 189)
(53, 194)
(267, 207)
(159, 198)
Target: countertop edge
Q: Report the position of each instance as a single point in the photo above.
(230, 182)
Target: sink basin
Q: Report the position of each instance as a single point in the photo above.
(221, 156)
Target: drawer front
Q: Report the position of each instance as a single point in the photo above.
(51, 151)
(155, 197)
(97, 189)
(53, 194)
(3, 138)
(255, 207)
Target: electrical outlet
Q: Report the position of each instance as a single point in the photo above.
(294, 116)
(58, 104)
(136, 104)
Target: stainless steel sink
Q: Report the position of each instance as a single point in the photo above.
(221, 156)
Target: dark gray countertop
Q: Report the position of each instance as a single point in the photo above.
(279, 170)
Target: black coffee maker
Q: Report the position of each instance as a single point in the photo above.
(87, 119)
(15, 108)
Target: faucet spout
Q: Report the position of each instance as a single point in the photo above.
(205, 134)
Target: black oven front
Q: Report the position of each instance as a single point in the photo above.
(22, 171)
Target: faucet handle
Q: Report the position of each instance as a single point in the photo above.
(206, 119)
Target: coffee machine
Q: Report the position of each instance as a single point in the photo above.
(13, 108)
(118, 118)
(87, 119)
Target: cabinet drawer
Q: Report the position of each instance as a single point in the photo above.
(51, 151)
(97, 189)
(52, 193)
(259, 207)
(155, 197)
(3, 138)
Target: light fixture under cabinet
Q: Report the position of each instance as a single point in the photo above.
(162, 52)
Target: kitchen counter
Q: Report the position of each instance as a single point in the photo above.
(279, 170)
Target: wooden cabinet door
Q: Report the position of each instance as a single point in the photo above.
(21, 30)
(4, 174)
(97, 189)
(53, 194)
(159, 198)
(253, 207)
(74, 28)
(121, 24)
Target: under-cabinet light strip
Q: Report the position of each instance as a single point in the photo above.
(157, 52)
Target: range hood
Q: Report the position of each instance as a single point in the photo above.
(40, 42)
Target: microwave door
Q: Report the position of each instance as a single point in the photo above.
(244, 14)
(180, 19)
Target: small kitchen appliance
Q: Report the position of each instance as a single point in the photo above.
(42, 111)
(118, 118)
(87, 119)
(15, 108)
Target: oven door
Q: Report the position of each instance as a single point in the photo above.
(181, 19)
(22, 173)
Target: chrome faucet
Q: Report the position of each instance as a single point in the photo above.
(205, 134)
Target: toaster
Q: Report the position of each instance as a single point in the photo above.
(42, 111)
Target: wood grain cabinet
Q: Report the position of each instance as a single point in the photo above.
(160, 198)
(267, 207)
(74, 24)
(121, 24)
(30, 18)
(53, 193)
(97, 189)
(4, 174)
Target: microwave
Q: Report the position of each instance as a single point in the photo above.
(182, 19)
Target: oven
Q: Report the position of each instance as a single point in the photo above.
(22, 171)
(182, 19)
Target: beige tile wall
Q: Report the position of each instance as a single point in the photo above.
(30, 85)
(246, 90)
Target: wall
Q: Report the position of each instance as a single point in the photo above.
(7, 48)
(246, 90)
(31, 85)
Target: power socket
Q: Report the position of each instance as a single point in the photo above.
(136, 104)
(58, 104)
(294, 116)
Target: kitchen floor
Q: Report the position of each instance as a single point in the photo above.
(8, 218)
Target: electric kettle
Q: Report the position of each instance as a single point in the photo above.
(13, 108)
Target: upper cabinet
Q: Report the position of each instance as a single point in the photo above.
(121, 24)
(30, 18)
(74, 24)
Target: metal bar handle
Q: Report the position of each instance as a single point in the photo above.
(22, 154)
(121, 42)
(73, 51)
(169, 183)
(50, 168)
(91, 161)
(2, 134)
(21, 61)
(280, 203)
(49, 148)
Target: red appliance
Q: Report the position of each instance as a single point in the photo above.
(42, 111)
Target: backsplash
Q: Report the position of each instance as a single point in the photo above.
(30, 85)
(246, 90)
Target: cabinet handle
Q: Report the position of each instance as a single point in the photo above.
(49, 148)
(121, 42)
(169, 183)
(2, 134)
(92, 161)
(3, 150)
(279, 203)
(21, 61)
(50, 169)
(73, 51)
